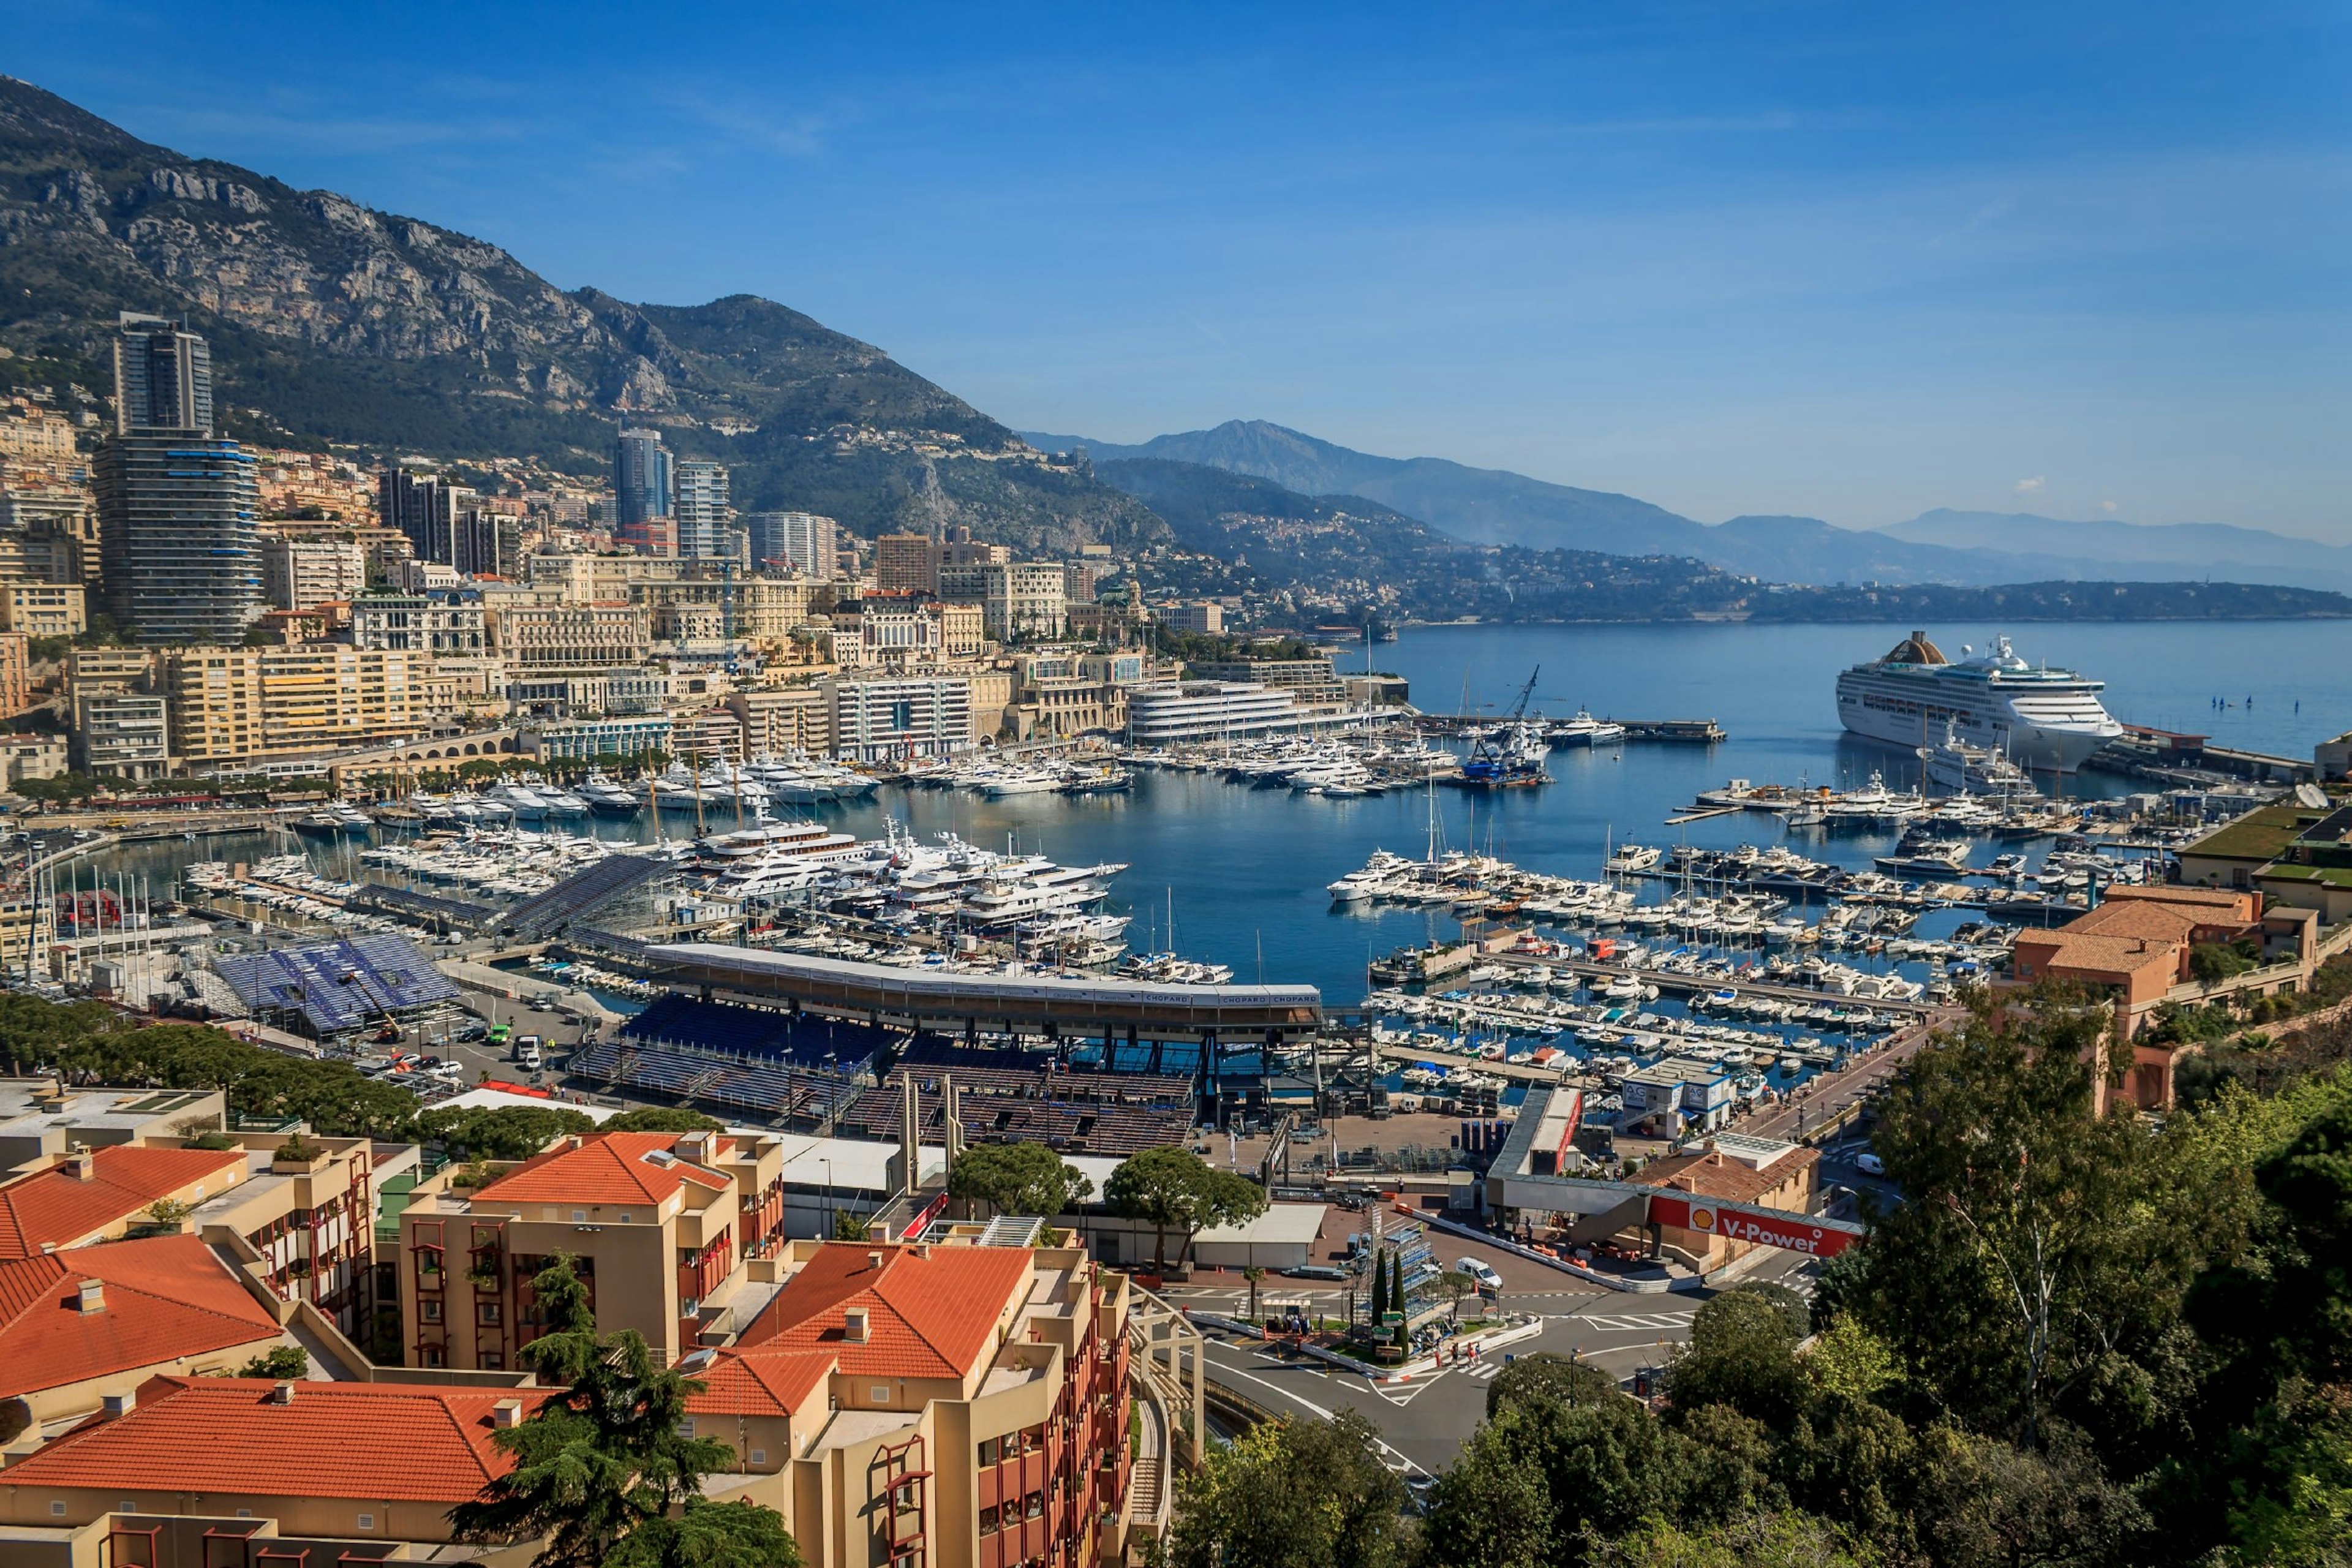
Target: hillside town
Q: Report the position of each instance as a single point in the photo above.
(176, 603)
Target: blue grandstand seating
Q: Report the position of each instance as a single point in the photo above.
(805, 1041)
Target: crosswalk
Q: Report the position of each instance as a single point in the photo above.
(1640, 1321)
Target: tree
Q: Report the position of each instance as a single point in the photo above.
(1254, 1275)
(1742, 1354)
(661, 1119)
(1291, 1494)
(1176, 1188)
(1776, 1540)
(1456, 1285)
(502, 1133)
(603, 1458)
(280, 1363)
(1545, 1377)
(1018, 1178)
(1590, 1467)
(1378, 1304)
(847, 1227)
(707, 1534)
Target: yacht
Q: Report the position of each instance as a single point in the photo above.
(527, 803)
(1584, 729)
(606, 798)
(1957, 767)
(2039, 715)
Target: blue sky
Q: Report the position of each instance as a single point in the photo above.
(1852, 260)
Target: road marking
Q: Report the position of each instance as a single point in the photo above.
(1660, 1321)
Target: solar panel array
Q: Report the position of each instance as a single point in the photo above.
(338, 986)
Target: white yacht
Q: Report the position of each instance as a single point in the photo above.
(1958, 768)
(1584, 729)
(606, 798)
(2037, 714)
(527, 803)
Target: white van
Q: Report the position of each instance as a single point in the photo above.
(526, 1053)
(1869, 1165)
(1482, 1274)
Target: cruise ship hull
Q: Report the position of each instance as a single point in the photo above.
(1917, 717)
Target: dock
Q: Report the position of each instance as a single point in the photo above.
(1668, 980)
(1685, 731)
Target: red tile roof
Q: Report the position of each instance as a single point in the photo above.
(603, 1168)
(390, 1442)
(931, 1316)
(165, 1298)
(1707, 1174)
(762, 1381)
(56, 1206)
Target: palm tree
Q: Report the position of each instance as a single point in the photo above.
(1252, 1274)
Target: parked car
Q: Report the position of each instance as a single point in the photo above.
(1316, 1271)
(1483, 1273)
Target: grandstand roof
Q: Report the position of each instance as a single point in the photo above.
(1147, 1006)
(338, 985)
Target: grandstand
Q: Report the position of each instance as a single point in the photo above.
(691, 1077)
(726, 1029)
(1066, 1127)
(385, 899)
(982, 1070)
(341, 992)
(586, 890)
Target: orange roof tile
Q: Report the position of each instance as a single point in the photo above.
(1707, 1173)
(165, 1298)
(760, 1380)
(931, 1316)
(58, 1207)
(2097, 954)
(393, 1442)
(603, 1168)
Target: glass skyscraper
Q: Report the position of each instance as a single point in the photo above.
(177, 506)
(641, 490)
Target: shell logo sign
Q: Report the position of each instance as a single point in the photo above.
(1766, 1227)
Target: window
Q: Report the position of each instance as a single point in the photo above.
(487, 1313)
(990, 1448)
(57, 1507)
(494, 1361)
(881, 1394)
(988, 1521)
(244, 1513)
(758, 1456)
(685, 1427)
(429, 1311)
(579, 1216)
(128, 1507)
(367, 1521)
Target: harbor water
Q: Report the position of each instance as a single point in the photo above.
(1240, 873)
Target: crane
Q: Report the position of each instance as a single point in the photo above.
(1490, 764)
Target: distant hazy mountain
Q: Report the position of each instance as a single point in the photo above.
(2198, 548)
(1968, 549)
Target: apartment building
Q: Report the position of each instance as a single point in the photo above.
(892, 632)
(779, 722)
(298, 573)
(757, 609)
(1206, 711)
(44, 609)
(1311, 681)
(660, 1224)
(881, 717)
(15, 673)
(569, 636)
(800, 542)
(585, 740)
(33, 756)
(703, 512)
(87, 1194)
(305, 1212)
(906, 563)
(1022, 599)
(707, 735)
(1203, 618)
(956, 1405)
(229, 704)
(122, 726)
(437, 624)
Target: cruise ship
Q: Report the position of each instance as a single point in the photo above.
(2040, 716)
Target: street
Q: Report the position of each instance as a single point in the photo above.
(1424, 1423)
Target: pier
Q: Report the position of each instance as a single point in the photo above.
(1669, 980)
(1687, 731)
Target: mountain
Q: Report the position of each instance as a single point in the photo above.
(2198, 548)
(1486, 506)
(1495, 506)
(331, 320)
(1319, 558)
